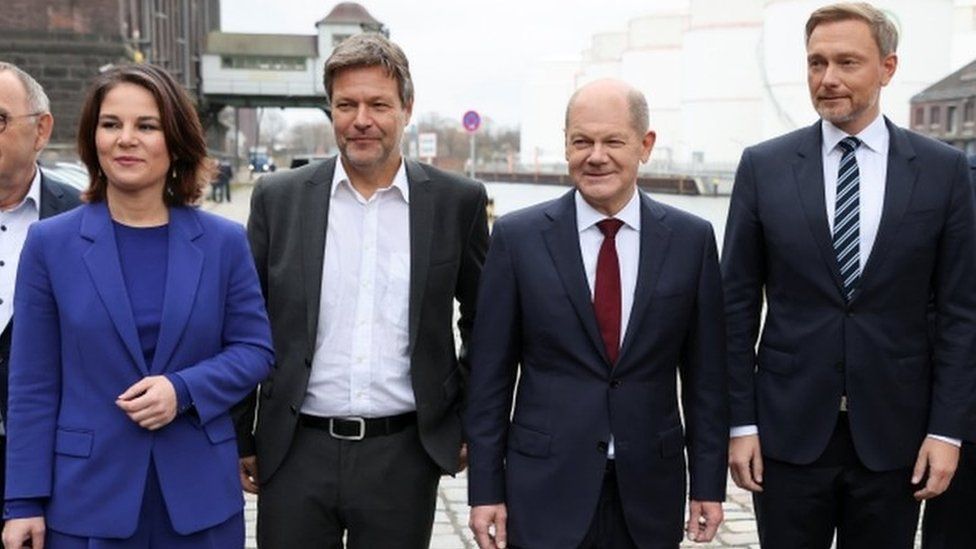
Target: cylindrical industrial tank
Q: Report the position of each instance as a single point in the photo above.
(924, 57)
(602, 59)
(652, 63)
(544, 96)
(722, 98)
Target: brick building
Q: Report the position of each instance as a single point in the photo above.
(64, 43)
(946, 110)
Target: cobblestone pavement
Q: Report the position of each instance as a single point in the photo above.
(451, 519)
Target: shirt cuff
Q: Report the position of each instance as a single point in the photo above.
(953, 441)
(23, 508)
(743, 431)
(183, 400)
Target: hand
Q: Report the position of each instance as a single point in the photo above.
(463, 458)
(746, 463)
(482, 518)
(703, 520)
(150, 402)
(17, 532)
(939, 460)
(249, 474)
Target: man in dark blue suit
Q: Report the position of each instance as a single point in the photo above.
(592, 303)
(948, 521)
(26, 195)
(851, 412)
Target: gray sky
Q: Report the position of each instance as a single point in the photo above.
(464, 54)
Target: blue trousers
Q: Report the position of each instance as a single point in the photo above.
(155, 531)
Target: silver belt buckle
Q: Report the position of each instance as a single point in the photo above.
(359, 420)
(843, 403)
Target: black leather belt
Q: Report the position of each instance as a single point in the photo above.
(358, 428)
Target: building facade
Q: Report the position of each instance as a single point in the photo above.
(946, 110)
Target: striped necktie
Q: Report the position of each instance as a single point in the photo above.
(847, 217)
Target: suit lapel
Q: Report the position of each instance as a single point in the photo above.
(902, 173)
(655, 237)
(562, 241)
(809, 180)
(421, 209)
(315, 195)
(51, 198)
(105, 270)
(184, 264)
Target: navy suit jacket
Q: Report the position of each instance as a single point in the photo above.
(901, 380)
(56, 197)
(536, 327)
(76, 349)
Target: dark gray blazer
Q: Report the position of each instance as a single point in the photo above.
(448, 242)
(56, 197)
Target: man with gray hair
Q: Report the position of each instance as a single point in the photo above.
(590, 306)
(26, 195)
(850, 411)
(361, 259)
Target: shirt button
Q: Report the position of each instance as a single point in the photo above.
(615, 383)
(294, 409)
(601, 447)
(839, 366)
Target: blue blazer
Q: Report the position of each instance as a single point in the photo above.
(902, 381)
(536, 326)
(76, 349)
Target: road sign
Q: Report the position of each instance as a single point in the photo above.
(471, 121)
(427, 145)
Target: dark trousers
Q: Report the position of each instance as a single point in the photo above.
(380, 492)
(155, 530)
(3, 468)
(608, 529)
(950, 519)
(801, 506)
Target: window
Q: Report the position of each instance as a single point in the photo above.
(935, 115)
(968, 114)
(263, 63)
(919, 117)
(951, 119)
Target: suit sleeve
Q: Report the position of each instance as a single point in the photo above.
(494, 357)
(743, 276)
(257, 235)
(954, 372)
(35, 377)
(469, 276)
(704, 379)
(217, 383)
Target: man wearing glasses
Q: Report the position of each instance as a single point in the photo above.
(25, 196)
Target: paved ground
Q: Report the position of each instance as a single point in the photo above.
(450, 522)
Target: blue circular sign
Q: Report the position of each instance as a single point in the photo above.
(471, 121)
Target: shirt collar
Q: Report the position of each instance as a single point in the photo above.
(587, 216)
(339, 178)
(33, 195)
(874, 136)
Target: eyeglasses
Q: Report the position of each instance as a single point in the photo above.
(4, 118)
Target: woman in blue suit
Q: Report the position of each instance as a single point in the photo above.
(140, 322)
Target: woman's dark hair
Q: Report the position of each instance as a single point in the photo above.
(190, 169)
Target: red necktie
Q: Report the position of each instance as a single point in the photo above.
(606, 291)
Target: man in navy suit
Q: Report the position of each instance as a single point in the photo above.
(850, 412)
(592, 303)
(948, 521)
(26, 195)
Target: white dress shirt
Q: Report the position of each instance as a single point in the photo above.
(13, 231)
(872, 165)
(628, 255)
(360, 367)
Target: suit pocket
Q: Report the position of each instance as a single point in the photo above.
(773, 360)
(672, 441)
(74, 442)
(913, 368)
(220, 429)
(528, 442)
